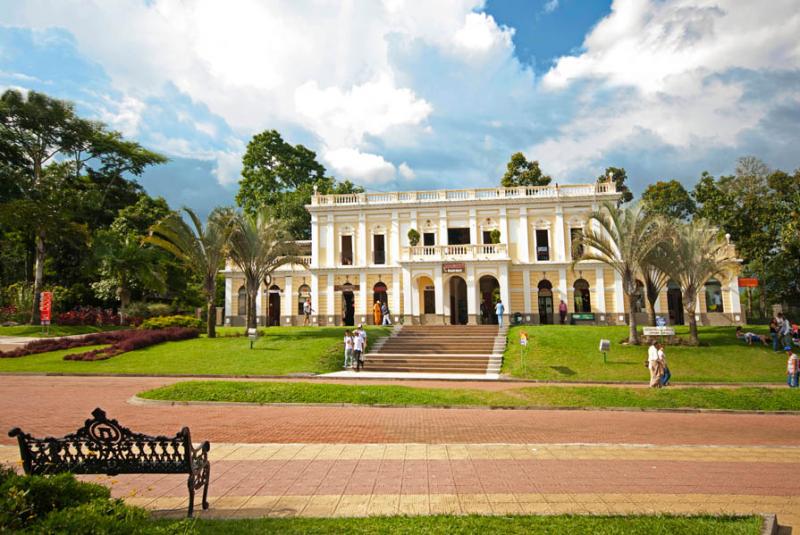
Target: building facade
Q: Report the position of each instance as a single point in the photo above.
(474, 246)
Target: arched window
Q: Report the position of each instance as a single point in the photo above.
(242, 295)
(713, 296)
(379, 292)
(638, 298)
(303, 293)
(583, 301)
(545, 284)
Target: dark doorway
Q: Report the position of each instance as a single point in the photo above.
(490, 294)
(274, 312)
(545, 302)
(458, 301)
(542, 246)
(347, 251)
(379, 293)
(674, 303)
(348, 308)
(429, 239)
(487, 236)
(458, 236)
(378, 249)
(429, 296)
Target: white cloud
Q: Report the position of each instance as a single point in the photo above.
(124, 115)
(360, 166)
(406, 172)
(481, 34)
(550, 6)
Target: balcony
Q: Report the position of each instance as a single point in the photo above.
(432, 253)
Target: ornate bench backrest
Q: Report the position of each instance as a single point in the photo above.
(102, 446)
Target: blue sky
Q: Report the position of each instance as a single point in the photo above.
(415, 94)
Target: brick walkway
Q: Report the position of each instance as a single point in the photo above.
(318, 461)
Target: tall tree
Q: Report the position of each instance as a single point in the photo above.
(201, 248)
(37, 130)
(654, 278)
(618, 175)
(259, 245)
(669, 198)
(694, 253)
(620, 238)
(522, 172)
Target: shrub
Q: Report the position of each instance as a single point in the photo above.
(135, 340)
(413, 237)
(91, 316)
(172, 321)
(155, 310)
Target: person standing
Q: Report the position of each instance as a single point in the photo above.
(348, 349)
(362, 332)
(785, 332)
(562, 311)
(499, 309)
(307, 310)
(654, 366)
(662, 358)
(773, 333)
(358, 350)
(387, 320)
(792, 368)
(376, 313)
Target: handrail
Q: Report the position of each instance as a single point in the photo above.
(457, 252)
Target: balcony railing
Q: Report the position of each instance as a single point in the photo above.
(456, 195)
(457, 252)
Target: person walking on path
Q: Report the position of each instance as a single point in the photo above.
(498, 310)
(387, 320)
(562, 311)
(362, 332)
(376, 313)
(307, 310)
(662, 358)
(348, 349)
(654, 366)
(792, 368)
(358, 349)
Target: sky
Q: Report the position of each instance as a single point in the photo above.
(422, 94)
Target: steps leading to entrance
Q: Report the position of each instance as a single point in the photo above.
(464, 349)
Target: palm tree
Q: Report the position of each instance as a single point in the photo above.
(655, 279)
(694, 253)
(621, 238)
(201, 248)
(258, 246)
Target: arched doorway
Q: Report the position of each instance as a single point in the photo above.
(379, 295)
(241, 298)
(458, 301)
(582, 296)
(303, 293)
(674, 303)
(490, 294)
(545, 302)
(348, 304)
(426, 298)
(274, 306)
(713, 296)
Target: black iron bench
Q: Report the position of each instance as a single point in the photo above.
(102, 446)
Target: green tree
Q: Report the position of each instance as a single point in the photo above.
(693, 253)
(521, 172)
(621, 238)
(259, 245)
(618, 175)
(669, 198)
(201, 248)
(36, 130)
(654, 278)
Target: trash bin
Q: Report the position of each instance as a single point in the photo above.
(517, 318)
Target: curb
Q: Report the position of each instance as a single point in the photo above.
(136, 400)
(769, 525)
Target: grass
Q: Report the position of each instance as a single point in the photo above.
(570, 353)
(37, 331)
(280, 351)
(447, 525)
(745, 398)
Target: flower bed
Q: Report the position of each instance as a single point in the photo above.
(89, 316)
(118, 342)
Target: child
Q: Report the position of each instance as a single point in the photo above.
(749, 337)
(358, 348)
(666, 376)
(348, 349)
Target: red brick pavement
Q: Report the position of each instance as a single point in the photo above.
(56, 405)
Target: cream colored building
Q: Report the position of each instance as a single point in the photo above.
(360, 252)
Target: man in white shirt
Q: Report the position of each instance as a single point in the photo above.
(358, 348)
(652, 364)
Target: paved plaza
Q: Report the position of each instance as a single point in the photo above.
(344, 461)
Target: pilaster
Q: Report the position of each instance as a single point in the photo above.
(558, 237)
(362, 238)
(600, 290)
(523, 247)
(526, 288)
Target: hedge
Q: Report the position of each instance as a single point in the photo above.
(172, 321)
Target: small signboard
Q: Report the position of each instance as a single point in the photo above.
(46, 307)
(605, 345)
(453, 267)
(346, 287)
(583, 316)
(658, 331)
(660, 321)
(748, 282)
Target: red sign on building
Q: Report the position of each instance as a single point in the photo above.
(46, 307)
(748, 282)
(453, 267)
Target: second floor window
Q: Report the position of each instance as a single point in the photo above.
(458, 236)
(576, 235)
(378, 249)
(429, 239)
(347, 250)
(542, 245)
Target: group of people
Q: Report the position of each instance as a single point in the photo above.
(781, 331)
(380, 313)
(355, 346)
(657, 363)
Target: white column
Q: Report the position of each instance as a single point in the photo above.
(395, 302)
(258, 305)
(523, 248)
(314, 241)
(331, 239)
(503, 229)
(526, 288)
(438, 284)
(733, 288)
(414, 223)
(473, 229)
(416, 305)
(408, 294)
(472, 292)
(505, 293)
(442, 231)
(562, 286)
(600, 293)
(331, 296)
(619, 303)
(363, 292)
(288, 292)
(394, 251)
(558, 237)
(228, 299)
(362, 241)
(315, 294)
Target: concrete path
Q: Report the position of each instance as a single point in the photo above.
(321, 461)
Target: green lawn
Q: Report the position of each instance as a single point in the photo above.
(570, 353)
(447, 525)
(746, 398)
(280, 351)
(54, 330)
